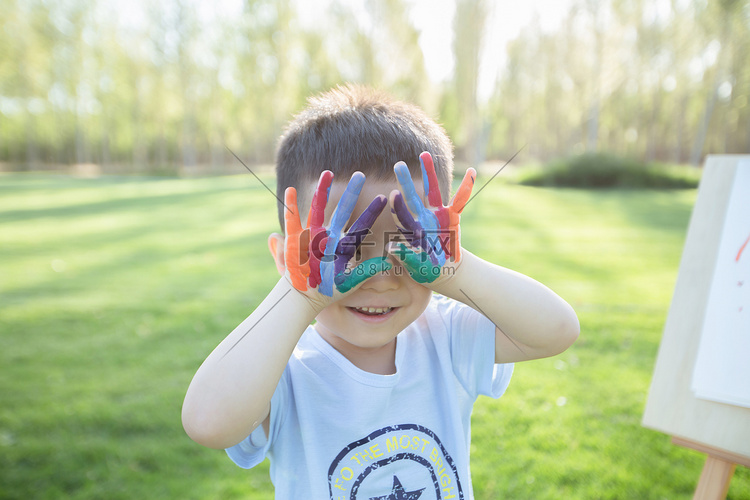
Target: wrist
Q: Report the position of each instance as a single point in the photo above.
(307, 308)
(450, 283)
(309, 302)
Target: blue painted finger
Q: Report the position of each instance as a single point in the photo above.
(413, 200)
(346, 204)
(344, 208)
(425, 217)
(326, 275)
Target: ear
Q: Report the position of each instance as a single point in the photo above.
(276, 247)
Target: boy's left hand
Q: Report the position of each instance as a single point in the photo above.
(433, 236)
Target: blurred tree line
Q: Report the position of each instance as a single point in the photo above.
(172, 86)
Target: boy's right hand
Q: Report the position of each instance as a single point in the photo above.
(317, 257)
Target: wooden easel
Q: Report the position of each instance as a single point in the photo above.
(722, 431)
(717, 471)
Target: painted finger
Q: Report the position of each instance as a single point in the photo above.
(401, 215)
(464, 191)
(318, 243)
(411, 229)
(296, 263)
(430, 180)
(292, 222)
(367, 269)
(412, 198)
(368, 217)
(432, 190)
(418, 264)
(345, 251)
(320, 199)
(463, 194)
(316, 217)
(340, 217)
(346, 204)
(353, 238)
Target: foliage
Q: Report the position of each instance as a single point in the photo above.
(172, 83)
(115, 289)
(603, 170)
(665, 82)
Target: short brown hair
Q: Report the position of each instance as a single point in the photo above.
(352, 128)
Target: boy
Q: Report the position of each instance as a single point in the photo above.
(374, 400)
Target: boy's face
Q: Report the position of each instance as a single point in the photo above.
(371, 316)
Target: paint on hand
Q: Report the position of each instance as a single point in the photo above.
(316, 218)
(295, 257)
(317, 257)
(349, 279)
(341, 246)
(434, 234)
(419, 266)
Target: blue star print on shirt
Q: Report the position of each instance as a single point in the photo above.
(398, 492)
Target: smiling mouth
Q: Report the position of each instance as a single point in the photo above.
(372, 311)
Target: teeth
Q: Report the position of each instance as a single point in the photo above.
(374, 310)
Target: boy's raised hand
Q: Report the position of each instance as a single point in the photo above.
(433, 235)
(317, 257)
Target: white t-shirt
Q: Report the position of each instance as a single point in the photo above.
(338, 432)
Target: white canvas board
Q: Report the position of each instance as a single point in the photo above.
(722, 367)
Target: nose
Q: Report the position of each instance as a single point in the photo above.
(384, 281)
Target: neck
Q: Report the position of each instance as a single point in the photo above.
(379, 360)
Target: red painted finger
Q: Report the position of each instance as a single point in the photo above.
(320, 199)
(430, 180)
(318, 235)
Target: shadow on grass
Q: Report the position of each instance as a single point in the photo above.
(121, 202)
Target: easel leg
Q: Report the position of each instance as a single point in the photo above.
(715, 478)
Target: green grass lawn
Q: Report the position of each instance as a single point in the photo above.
(113, 291)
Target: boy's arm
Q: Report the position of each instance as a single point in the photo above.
(531, 320)
(230, 393)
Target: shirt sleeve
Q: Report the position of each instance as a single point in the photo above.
(472, 344)
(253, 449)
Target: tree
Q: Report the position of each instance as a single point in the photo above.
(468, 28)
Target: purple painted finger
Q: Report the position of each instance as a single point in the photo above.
(411, 229)
(403, 215)
(370, 214)
(405, 221)
(349, 243)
